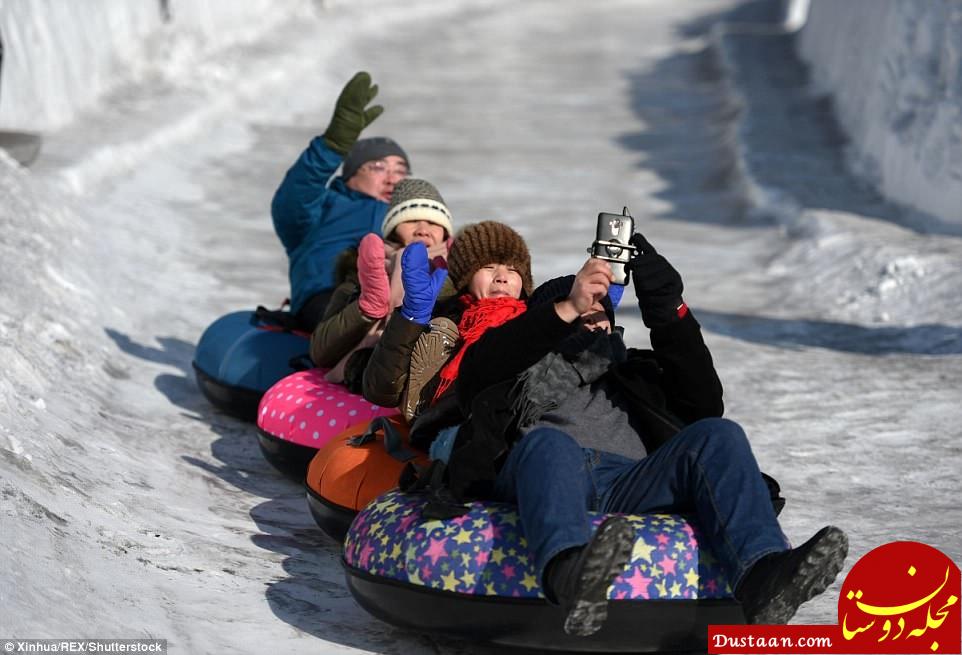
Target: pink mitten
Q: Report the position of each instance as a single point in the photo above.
(375, 300)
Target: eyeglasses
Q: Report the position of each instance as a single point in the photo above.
(380, 168)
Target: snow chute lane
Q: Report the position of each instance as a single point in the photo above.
(238, 503)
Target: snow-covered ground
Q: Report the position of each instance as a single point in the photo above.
(129, 507)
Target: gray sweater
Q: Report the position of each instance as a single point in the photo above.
(595, 416)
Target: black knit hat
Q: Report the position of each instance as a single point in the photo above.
(558, 289)
(366, 150)
(485, 243)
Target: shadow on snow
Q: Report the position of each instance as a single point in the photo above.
(867, 340)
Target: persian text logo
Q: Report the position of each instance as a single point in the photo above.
(902, 597)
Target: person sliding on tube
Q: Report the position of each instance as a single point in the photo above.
(317, 217)
(369, 280)
(416, 361)
(563, 419)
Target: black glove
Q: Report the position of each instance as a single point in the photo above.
(350, 116)
(657, 285)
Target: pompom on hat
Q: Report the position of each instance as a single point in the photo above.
(484, 243)
(416, 200)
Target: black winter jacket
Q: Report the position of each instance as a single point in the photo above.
(670, 386)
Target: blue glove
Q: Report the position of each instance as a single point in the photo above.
(421, 286)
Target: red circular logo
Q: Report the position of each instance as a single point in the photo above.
(902, 597)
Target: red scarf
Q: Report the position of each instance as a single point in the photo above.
(479, 316)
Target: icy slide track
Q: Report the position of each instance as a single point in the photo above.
(129, 508)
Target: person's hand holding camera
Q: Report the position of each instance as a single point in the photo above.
(657, 285)
(590, 286)
(350, 116)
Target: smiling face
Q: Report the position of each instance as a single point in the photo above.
(378, 177)
(428, 233)
(496, 280)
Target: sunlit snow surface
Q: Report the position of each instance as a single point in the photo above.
(128, 507)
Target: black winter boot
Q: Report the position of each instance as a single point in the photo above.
(773, 589)
(579, 577)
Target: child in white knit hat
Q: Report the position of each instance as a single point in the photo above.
(369, 283)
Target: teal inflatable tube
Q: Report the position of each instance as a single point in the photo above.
(241, 355)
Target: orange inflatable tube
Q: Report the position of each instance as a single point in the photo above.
(356, 467)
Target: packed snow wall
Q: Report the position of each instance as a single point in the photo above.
(59, 57)
(893, 69)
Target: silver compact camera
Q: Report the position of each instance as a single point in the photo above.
(611, 243)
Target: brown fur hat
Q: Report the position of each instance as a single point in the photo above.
(485, 243)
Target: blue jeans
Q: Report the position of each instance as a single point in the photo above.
(707, 470)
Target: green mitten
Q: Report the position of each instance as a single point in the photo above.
(350, 116)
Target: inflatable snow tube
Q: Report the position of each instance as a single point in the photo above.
(240, 356)
(301, 413)
(472, 577)
(356, 467)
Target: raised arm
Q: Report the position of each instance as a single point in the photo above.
(300, 197)
(298, 200)
(387, 371)
(689, 379)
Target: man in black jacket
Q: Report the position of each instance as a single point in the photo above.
(564, 419)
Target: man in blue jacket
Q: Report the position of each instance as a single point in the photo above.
(316, 217)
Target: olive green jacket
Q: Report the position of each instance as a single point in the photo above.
(343, 326)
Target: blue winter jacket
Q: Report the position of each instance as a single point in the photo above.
(316, 220)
